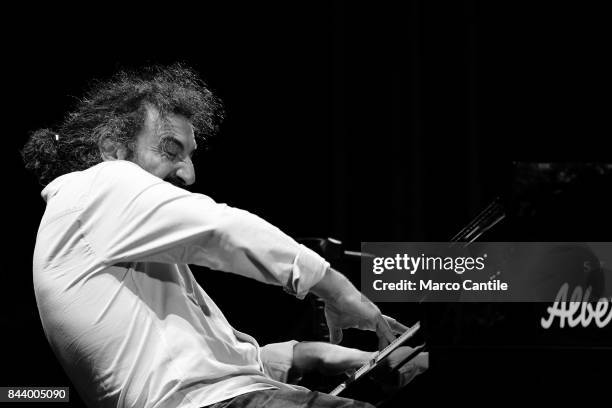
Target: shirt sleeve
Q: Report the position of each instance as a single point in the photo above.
(132, 216)
(277, 359)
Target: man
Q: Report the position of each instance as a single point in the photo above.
(119, 305)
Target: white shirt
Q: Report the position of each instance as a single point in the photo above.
(121, 308)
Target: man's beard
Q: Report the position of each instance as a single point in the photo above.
(176, 181)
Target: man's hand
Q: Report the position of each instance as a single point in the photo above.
(331, 359)
(326, 358)
(346, 307)
(392, 379)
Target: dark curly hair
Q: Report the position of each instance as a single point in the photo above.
(116, 109)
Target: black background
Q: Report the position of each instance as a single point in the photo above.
(359, 121)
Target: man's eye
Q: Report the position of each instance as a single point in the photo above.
(170, 148)
(171, 152)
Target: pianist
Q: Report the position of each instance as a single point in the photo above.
(120, 306)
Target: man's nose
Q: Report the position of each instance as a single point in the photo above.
(186, 173)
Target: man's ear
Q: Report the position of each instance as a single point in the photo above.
(111, 150)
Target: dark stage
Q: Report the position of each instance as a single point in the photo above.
(396, 121)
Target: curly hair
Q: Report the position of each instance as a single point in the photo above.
(116, 109)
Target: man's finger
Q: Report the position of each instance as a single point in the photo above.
(396, 326)
(384, 333)
(382, 343)
(335, 335)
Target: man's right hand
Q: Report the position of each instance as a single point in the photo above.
(346, 307)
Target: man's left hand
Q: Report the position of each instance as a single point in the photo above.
(331, 359)
(327, 359)
(392, 377)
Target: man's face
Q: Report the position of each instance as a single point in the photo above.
(164, 148)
